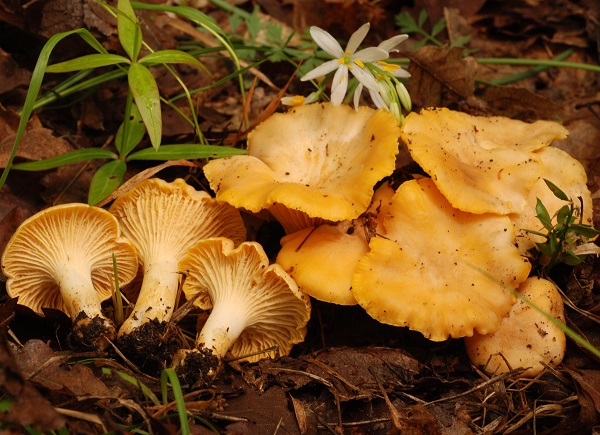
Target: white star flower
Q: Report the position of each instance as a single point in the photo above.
(346, 61)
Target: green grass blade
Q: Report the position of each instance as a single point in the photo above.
(90, 61)
(36, 83)
(171, 56)
(66, 159)
(147, 391)
(175, 152)
(146, 96)
(169, 375)
(106, 180)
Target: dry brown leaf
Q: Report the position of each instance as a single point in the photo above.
(440, 76)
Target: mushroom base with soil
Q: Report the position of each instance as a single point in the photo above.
(197, 367)
(151, 346)
(91, 333)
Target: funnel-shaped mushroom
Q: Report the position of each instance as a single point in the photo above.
(62, 258)
(319, 160)
(480, 164)
(526, 338)
(439, 270)
(322, 259)
(163, 220)
(566, 173)
(256, 307)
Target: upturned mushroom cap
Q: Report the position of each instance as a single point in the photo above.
(526, 338)
(61, 258)
(322, 259)
(256, 306)
(163, 220)
(438, 270)
(480, 164)
(319, 159)
(568, 174)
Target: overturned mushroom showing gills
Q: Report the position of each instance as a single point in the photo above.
(480, 164)
(438, 270)
(526, 338)
(163, 220)
(258, 311)
(62, 258)
(318, 160)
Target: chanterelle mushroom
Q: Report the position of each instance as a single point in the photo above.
(257, 309)
(322, 259)
(62, 258)
(526, 338)
(480, 164)
(438, 270)
(163, 220)
(319, 160)
(568, 174)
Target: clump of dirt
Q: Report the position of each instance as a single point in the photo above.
(151, 346)
(89, 333)
(198, 367)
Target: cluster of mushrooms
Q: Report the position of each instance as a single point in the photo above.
(440, 254)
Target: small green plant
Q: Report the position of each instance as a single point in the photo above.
(407, 24)
(567, 240)
(143, 103)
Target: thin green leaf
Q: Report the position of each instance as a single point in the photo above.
(130, 34)
(175, 152)
(145, 93)
(185, 11)
(135, 132)
(585, 230)
(438, 27)
(423, 15)
(106, 180)
(172, 56)
(87, 62)
(134, 381)
(564, 215)
(36, 82)
(542, 215)
(76, 156)
(169, 375)
(556, 190)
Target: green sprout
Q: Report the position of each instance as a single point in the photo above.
(567, 240)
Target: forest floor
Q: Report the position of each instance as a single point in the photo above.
(351, 374)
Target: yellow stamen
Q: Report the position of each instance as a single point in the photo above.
(359, 63)
(389, 67)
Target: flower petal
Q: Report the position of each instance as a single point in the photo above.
(401, 73)
(326, 42)
(321, 70)
(365, 77)
(339, 85)
(390, 45)
(357, 37)
(371, 54)
(357, 93)
(377, 99)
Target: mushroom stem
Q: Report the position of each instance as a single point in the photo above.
(225, 324)
(157, 296)
(77, 290)
(90, 327)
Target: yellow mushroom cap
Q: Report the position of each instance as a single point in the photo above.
(526, 338)
(480, 164)
(68, 245)
(322, 259)
(568, 174)
(319, 159)
(439, 270)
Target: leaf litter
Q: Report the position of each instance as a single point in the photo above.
(351, 375)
